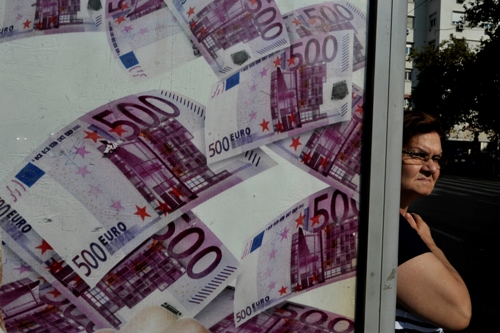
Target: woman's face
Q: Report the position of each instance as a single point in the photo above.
(418, 179)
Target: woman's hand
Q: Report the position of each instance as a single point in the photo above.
(421, 227)
(156, 319)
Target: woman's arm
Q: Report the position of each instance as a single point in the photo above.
(430, 287)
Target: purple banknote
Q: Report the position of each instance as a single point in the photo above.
(308, 246)
(28, 18)
(112, 178)
(146, 38)
(330, 16)
(332, 153)
(284, 317)
(29, 303)
(230, 34)
(182, 267)
(304, 87)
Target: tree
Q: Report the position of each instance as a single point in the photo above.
(486, 14)
(444, 83)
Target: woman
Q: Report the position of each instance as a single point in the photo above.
(431, 294)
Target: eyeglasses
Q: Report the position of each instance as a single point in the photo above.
(423, 158)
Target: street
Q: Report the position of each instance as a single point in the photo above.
(463, 214)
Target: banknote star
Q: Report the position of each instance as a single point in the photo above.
(143, 31)
(279, 127)
(141, 211)
(118, 130)
(94, 136)
(272, 254)
(55, 266)
(315, 219)
(94, 190)
(300, 220)
(39, 26)
(203, 31)
(306, 158)
(124, 6)
(190, 11)
(284, 234)
(265, 125)
(44, 246)
(193, 24)
(253, 115)
(295, 143)
(296, 21)
(26, 24)
(82, 151)
(23, 268)
(359, 110)
(164, 207)
(314, 278)
(120, 19)
(117, 205)
(268, 272)
(312, 20)
(297, 288)
(253, 87)
(277, 62)
(83, 171)
(323, 162)
(177, 192)
(272, 285)
(128, 28)
(160, 27)
(292, 119)
(291, 61)
(19, 17)
(55, 293)
(52, 19)
(282, 290)
(263, 72)
(253, 2)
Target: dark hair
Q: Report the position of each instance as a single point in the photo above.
(418, 122)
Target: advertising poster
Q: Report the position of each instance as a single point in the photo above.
(171, 166)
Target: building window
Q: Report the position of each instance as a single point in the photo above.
(433, 20)
(457, 17)
(408, 48)
(409, 22)
(408, 75)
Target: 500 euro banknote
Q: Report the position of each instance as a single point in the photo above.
(284, 317)
(232, 33)
(308, 246)
(331, 153)
(182, 267)
(27, 300)
(28, 18)
(302, 88)
(330, 16)
(146, 38)
(113, 177)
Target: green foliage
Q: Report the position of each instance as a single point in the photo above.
(444, 81)
(486, 14)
